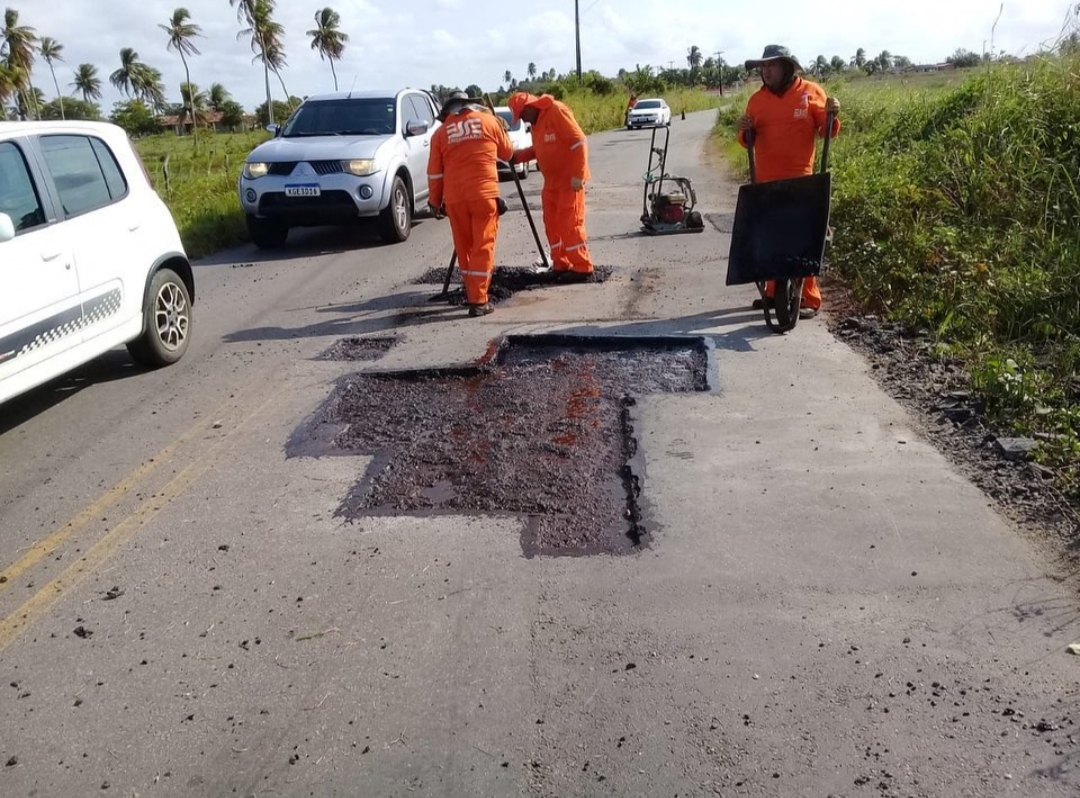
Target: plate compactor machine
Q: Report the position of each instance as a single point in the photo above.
(672, 211)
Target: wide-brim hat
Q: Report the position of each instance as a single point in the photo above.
(774, 52)
(455, 100)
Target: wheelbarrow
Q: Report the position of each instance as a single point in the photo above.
(780, 231)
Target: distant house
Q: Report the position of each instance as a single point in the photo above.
(181, 123)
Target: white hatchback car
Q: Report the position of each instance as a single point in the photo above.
(653, 112)
(520, 134)
(90, 257)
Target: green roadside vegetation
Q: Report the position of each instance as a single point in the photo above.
(956, 209)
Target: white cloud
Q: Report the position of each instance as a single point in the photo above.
(452, 42)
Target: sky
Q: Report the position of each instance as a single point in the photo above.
(396, 43)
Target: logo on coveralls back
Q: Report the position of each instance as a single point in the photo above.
(465, 130)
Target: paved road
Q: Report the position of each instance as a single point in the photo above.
(827, 608)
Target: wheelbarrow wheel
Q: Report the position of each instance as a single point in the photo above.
(787, 299)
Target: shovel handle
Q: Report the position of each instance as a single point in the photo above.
(830, 120)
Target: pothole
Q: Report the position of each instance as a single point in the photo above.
(506, 281)
(359, 349)
(545, 430)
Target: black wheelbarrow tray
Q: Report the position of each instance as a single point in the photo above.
(780, 229)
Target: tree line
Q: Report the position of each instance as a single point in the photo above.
(21, 47)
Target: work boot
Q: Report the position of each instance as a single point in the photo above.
(808, 313)
(481, 310)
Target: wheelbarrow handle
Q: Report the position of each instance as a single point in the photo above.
(830, 120)
(750, 154)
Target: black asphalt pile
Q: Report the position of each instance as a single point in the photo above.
(547, 434)
(359, 349)
(506, 281)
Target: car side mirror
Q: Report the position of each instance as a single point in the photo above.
(7, 228)
(416, 128)
(528, 129)
(274, 129)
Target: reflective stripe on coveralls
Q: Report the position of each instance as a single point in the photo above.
(786, 128)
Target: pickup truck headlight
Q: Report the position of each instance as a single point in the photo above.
(254, 169)
(359, 167)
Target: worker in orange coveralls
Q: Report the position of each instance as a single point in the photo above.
(463, 175)
(562, 156)
(786, 114)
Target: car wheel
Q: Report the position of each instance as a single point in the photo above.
(267, 233)
(395, 220)
(166, 321)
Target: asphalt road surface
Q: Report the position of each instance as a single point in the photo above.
(826, 607)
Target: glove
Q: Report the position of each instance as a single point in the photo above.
(437, 211)
(500, 203)
(576, 183)
(832, 105)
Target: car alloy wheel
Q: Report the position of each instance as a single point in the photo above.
(171, 316)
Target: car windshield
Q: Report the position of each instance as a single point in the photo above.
(647, 104)
(508, 117)
(346, 117)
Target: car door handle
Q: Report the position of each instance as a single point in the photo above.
(50, 256)
(133, 227)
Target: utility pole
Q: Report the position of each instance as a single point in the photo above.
(577, 38)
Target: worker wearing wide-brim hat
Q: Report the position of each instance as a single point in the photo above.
(463, 179)
(787, 114)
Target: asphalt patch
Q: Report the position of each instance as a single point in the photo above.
(544, 430)
(507, 281)
(360, 349)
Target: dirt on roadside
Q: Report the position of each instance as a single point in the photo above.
(938, 393)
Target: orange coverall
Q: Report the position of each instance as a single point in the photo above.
(463, 175)
(561, 154)
(785, 131)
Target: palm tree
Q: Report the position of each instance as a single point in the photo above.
(821, 66)
(265, 36)
(328, 39)
(8, 87)
(87, 82)
(17, 43)
(859, 61)
(51, 50)
(149, 87)
(837, 64)
(508, 76)
(694, 58)
(884, 60)
(181, 31)
(218, 96)
(127, 76)
(531, 71)
(196, 102)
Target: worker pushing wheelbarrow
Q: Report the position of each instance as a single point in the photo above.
(782, 215)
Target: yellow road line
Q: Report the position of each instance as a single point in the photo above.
(37, 605)
(47, 545)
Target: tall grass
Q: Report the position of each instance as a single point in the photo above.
(199, 185)
(957, 212)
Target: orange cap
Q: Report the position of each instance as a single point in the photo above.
(518, 101)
